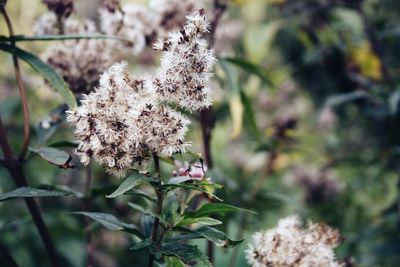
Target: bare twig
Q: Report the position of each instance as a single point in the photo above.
(21, 87)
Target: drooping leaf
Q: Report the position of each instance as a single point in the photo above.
(54, 156)
(200, 220)
(112, 223)
(197, 187)
(45, 70)
(214, 208)
(219, 238)
(31, 192)
(129, 183)
(187, 253)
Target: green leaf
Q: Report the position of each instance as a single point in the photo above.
(249, 115)
(251, 68)
(143, 244)
(200, 220)
(139, 193)
(129, 183)
(148, 212)
(214, 208)
(110, 222)
(173, 262)
(193, 187)
(187, 253)
(45, 70)
(54, 156)
(180, 179)
(31, 192)
(219, 238)
(19, 38)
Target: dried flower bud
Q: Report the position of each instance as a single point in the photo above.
(186, 66)
(291, 245)
(62, 8)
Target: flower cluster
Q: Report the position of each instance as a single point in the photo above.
(125, 120)
(143, 25)
(291, 245)
(79, 62)
(120, 123)
(186, 65)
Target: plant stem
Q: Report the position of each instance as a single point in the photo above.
(9, 259)
(160, 199)
(88, 234)
(21, 87)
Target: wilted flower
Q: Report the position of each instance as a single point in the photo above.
(186, 65)
(291, 245)
(47, 25)
(121, 123)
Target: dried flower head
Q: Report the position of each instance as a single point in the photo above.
(132, 22)
(79, 62)
(291, 245)
(121, 123)
(186, 65)
(170, 14)
(62, 8)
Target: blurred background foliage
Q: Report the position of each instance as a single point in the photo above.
(306, 122)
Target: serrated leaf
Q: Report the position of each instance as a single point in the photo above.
(200, 220)
(45, 70)
(111, 222)
(54, 156)
(214, 208)
(129, 183)
(219, 238)
(187, 253)
(31, 192)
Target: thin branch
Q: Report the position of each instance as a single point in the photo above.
(21, 88)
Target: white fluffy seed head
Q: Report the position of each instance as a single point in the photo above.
(186, 65)
(121, 123)
(291, 245)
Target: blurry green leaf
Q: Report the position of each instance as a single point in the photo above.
(147, 211)
(45, 70)
(200, 220)
(54, 156)
(110, 222)
(173, 262)
(259, 38)
(129, 183)
(143, 244)
(48, 125)
(193, 187)
(249, 115)
(180, 179)
(341, 99)
(19, 38)
(214, 208)
(139, 193)
(251, 68)
(219, 238)
(147, 221)
(31, 192)
(187, 253)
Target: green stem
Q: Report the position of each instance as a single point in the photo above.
(160, 199)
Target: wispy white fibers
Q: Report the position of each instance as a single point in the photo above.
(292, 245)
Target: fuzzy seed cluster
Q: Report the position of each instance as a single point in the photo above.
(120, 124)
(186, 65)
(292, 245)
(125, 120)
(79, 62)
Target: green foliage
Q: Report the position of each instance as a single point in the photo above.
(31, 192)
